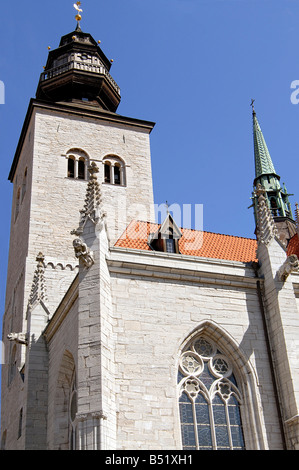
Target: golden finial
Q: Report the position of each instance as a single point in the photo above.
(79, 10)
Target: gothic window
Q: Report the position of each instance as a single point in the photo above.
(209, 399)
(72, 413)
(114, 170)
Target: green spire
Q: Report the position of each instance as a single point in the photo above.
(263, 162)
(265, 175)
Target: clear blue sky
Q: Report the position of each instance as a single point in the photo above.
(191, 66)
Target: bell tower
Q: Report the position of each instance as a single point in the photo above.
(70, 126)
(78, 71)
(276, 196)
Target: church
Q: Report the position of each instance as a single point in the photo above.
(122, 333)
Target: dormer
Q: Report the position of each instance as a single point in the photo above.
(167, 237)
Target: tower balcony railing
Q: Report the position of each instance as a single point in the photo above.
(77, 65)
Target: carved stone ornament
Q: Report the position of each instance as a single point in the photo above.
(83, 253)
(20, 338)
(290, 265)
(266, 228)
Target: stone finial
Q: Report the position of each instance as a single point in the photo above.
(297, 217)
(38, 289)
(93, 201)
(266, 228)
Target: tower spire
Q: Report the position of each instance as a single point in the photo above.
(276, 196)
(263, 161)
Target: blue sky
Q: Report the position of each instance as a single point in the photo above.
(191, 66)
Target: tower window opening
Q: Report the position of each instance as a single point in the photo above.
(274, 207)
(81, 169)
(71, 168)
(107, 172)
(116, 174)
(114, 170)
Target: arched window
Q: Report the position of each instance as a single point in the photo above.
(77, 163)
(209, 399)
(81, 169)
(107, 172)
(71, 167)
(117, 170)
(73, 407)
(114, 170)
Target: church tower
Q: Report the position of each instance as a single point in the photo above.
(276, 195)
(70, 125)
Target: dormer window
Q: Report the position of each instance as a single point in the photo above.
(166, 239)
(114, 170)
(170, 245)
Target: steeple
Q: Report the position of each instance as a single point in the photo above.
(276, 196)
(78, 71)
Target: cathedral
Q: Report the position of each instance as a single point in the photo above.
(122, 333)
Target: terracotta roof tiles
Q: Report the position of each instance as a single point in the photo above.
(293, 246)
(193, 243)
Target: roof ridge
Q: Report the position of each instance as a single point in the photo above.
(194, 230)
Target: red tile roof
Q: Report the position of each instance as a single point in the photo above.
(293, 246)
(193, 243)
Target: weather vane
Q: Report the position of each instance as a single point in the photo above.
(79, 10)
(252, 104)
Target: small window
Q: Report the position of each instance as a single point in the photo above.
(107, 172)
(17, 209)
(170, 245)
(116, 174)
(71, 168)
(81, 169)
(24, 185)
(114, 170)
(20, 423)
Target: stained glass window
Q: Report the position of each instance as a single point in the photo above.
(209, 399)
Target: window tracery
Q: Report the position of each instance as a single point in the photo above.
(73, 407)
(209, 399)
